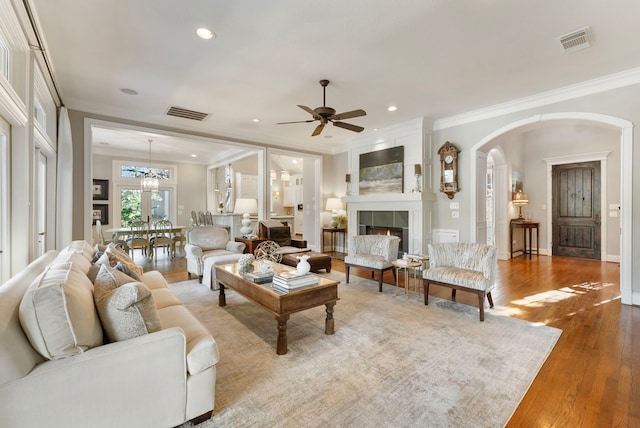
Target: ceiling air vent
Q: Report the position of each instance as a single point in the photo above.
(187, 114)
(576, 40)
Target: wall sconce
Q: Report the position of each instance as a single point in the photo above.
(276, 194)
(417, 171)
(347, 179)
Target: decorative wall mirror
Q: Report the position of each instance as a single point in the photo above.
(449, 169)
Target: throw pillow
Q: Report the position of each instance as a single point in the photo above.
(126, 308)
(124, 269)
(58, 314)
(78, 261)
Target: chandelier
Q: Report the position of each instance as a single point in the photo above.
(149, 182)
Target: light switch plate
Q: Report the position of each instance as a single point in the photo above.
(455, 214)
(454, 205)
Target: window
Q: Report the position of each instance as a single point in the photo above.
(137, 171)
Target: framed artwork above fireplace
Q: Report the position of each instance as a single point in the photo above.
(382, 171)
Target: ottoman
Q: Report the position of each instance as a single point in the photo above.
(316, 260)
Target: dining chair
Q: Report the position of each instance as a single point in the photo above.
(162, 237)
(140, 238)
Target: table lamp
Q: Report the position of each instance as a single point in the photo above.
(245, 206)
(520, 199)
(333, 205)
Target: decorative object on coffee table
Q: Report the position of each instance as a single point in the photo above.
(268, 250)
(303, 267)
(246, 260)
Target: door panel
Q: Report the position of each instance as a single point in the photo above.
(576, 210)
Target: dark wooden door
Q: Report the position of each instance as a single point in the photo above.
(576, 210)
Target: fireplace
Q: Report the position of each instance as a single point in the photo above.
(394, 223)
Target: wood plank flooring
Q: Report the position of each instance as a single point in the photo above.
(592, 376)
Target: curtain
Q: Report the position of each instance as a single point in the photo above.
(64, 182)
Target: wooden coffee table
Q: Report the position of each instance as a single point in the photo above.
(281, 305)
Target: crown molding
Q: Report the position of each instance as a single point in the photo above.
(589, 87)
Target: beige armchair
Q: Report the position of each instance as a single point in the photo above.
(372, 252)
(208, 246)
(462, 266)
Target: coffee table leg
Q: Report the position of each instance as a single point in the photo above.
(281, 347)
(222, 300)
(328, 324)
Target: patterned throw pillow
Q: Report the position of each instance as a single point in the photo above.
(126, 307)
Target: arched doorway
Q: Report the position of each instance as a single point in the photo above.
(625, 129)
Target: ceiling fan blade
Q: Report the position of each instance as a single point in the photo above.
(349, 114)
(298, 121)
(350, 127)
(318, 130)
(310, 111)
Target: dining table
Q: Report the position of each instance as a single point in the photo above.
(122, 233)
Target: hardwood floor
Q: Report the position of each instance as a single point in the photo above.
(591, 378)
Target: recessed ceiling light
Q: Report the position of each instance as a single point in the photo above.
(128, 91)
(256, 120)
(392, 108)
(328, 136)
(375, 129)
(205, 33)
(194, 156)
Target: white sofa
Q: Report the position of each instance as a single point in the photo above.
(462, 266)
(208, 246)
(156, 379)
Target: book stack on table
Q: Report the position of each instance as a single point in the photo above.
(258, 277)
(290, 280)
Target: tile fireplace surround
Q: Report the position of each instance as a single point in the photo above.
(410, 211)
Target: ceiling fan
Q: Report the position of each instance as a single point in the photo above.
(327, 114)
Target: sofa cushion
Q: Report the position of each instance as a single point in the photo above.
(58, 314)
(280, 235)
(126, 307)
(164, 297)
(81, 247)
(78, 261)
(202, 349)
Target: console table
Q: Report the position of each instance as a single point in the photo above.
(332, 231)
(526, 226)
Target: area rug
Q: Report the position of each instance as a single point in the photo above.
(392, 362)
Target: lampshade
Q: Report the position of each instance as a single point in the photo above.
(347, 178)
(246, 206)
(333, 204)
(417, 169)
(520, 199)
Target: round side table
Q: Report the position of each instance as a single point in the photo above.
(407, 266)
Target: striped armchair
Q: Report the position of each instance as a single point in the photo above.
(372, 252)
(462, 266)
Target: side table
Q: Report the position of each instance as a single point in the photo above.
(332, 231)
(407, 265)
(250, 244)
(527, 226)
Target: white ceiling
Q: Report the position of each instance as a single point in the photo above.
(433, 58)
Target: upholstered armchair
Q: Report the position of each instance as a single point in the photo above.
(208, 246)
(372, 252)
(275, 231)
(462, 266)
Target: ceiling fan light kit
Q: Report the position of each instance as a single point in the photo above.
(327, 114)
